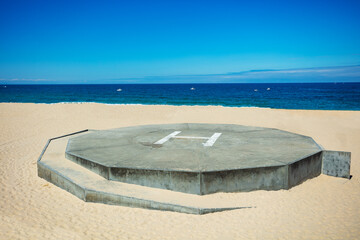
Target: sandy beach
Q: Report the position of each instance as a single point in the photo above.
(31, 208)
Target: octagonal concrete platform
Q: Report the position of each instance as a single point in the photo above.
(178, 157)
(157, 166)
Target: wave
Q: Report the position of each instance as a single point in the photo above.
(150, 104)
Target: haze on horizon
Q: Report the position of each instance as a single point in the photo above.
(179, 41)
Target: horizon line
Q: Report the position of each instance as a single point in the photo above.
(347, 73)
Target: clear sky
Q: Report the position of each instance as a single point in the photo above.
(121, 41)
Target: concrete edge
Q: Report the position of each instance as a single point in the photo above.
(60, 180)
(304, 157)
(113, 199)
(319, 146)
(298, 134)
(73, 155)
(187, 125)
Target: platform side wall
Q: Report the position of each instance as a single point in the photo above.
(187, 182)
(304, 169)
(266, 178)
(92, 166)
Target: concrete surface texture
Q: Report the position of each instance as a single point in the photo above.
(336, 163)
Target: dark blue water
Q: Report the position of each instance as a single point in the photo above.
(327, 96)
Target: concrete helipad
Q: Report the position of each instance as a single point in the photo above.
(190, 158)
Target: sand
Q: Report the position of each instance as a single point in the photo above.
(31, 208)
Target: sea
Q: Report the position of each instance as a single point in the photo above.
(315, 96)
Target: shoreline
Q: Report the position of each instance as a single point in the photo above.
(172, 105)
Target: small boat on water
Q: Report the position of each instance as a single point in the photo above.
(268, 89)
(119, 90)
(192, 89)
(255, 90)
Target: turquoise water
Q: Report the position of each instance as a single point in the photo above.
(327, 96)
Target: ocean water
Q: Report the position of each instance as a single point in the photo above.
(325, 96)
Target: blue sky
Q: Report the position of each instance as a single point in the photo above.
(158, 41)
